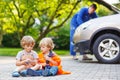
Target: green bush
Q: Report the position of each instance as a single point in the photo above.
(62, 40)
(10, 40)
(62, 37)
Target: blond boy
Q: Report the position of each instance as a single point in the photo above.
(26, 58)
(49, 60)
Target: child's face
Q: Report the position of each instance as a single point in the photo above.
(28, 48)
(44, 49)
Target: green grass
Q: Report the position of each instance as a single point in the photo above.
(9, 51)
(14, 51)
(62, 52)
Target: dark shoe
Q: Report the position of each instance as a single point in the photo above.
(74, 58)
(86, 58)
(31, 72)
(15, 74)
(23, 73)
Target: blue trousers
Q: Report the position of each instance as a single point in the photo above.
(72, 31)
(48, 71)
(53, 70)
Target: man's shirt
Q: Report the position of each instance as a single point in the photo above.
(82, 16)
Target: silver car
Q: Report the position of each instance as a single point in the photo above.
(101, 37)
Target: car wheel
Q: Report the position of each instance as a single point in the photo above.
(107, 48)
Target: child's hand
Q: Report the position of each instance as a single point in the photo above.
(49, 59)
(27, 61)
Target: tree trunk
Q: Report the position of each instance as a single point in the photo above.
(42, 35)
(1, 37)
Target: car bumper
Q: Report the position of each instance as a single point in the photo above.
(82, 47)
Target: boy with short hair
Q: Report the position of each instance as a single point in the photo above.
(50, 61)
(27, 58)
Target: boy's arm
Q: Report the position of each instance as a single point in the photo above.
(19, 63)
(18, 59)
(52, 61)
(55, 60)
(41, 59)
(35, 55)
(43, 64)
(33, 62)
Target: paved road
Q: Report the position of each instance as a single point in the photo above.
(89, 70)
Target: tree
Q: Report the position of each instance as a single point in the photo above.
(1, 22)
(1, 34)
(61, 39)
(21, 15)
(60, 11)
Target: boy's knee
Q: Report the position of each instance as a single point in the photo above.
(54, 67)
(37, 67)
(22, 67)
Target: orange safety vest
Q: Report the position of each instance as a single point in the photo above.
(55, 58)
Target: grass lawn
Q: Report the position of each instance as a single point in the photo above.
(14, 51)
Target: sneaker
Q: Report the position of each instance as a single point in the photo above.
(15, 74)
(86, 58)
(23, 73)
(75, 58)
(31, 72)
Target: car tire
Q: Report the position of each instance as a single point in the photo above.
(106, 48)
